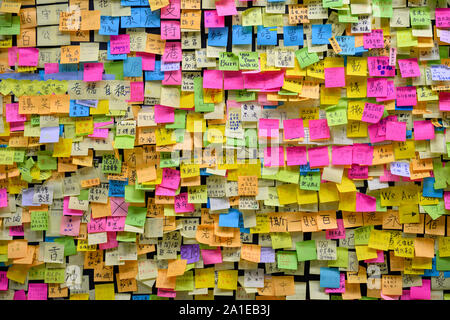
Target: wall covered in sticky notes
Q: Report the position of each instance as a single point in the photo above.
(248, 150)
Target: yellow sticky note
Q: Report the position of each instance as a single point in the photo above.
(104, 291)
(227, 279)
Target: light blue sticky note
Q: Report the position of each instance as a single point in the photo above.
(429, 190)
(156, 74)
(329, 277)
(218, 37)
(109, 26)
(347, 44)
(242, 35)
(293, 35)
(320, 33)
(266, 36)
(230, 219)
(132, 67)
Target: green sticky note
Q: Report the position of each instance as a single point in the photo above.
(420, 16)
(14, 28)
(332, 3)
(306, 250)
(125, 236)
(362, 235)
(84, 194)
(136, 216)
(248, 60)
(347, 18)
(406, 39)
(110, 164)
(37, 273)
(19, 156)
(288, 174)
(310, 181)
(342, 258)
(39, 220)
(6, 156)
(35, 120)
(179, 120)
(200, 105)
(55, 275)
(185, 282)
(244, 95)
(305, 58)
(115, 68)
(287, 260)
(133, 195)
(166, 160)
(123, 142)
(442, 263)
(435, 210)
(70, 248)
(5, 19)
(382, 8)
(228, 61)
(336, 115)
(3, 257)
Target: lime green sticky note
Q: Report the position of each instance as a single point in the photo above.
(39, 220)
(382, 8)
(306, 250)
(244, 95)
(287, 260)
(47, 162)
(166, 160)
(346, 17)
(442, 263)
(228, 61)
(123, 142)
(435, 210)
(133, 195)
(5, 20)
(281, 240)
(55, 275)
(336, 115)
(305, 58)
(37, 272)
(310, 181)
(110, 164)
(179, 120)
(406, 39)
(125, 236)
(185, 282)
(249, 60)
(19, 156)
(84, 194)
(136, 216)
(115, 68)
(420, 16)
(362, 235)
(14, 28)
(200, 105)
(332, 3)
(70, 248)
(342, 258)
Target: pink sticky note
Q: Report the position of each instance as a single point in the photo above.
(213, 20)
(211, 256)
(148, 60)
(423, 292)
(181, 204)
(12, 113)
(318, 129)
(409, 68)
(293, 129)
(268, 128)
(338, 233)
(378, 259)
(115, 224)
(377, 87)
(51, 68)
(396, 131)
(442, 17)
(296, 156)
(162, 191)
(358, 172)
(111, 243)
(119, 44)
(93, 71)
(262, 99)
(341, 155)
(3, 198)
(374, 133)
(171, 11)
(28, 57)
(212, 79)
(374, 39)
(16, 231)
(379, 67)
(233, 80)
(406, 96)
(170, 178)
(20, 295)
(423, 130)
(70, 212)
(136, 91)
(372, 112)
(12, 56)
(3, 281)
(99, 133)
(70, 225)
(170, 30)
(405, 295)
(96, 225)
(273, 80)
(341, 288)
(37, 291)
(447, 200)
(334, 77)
(226, 8)
(365, 203)
(318, 157)
(18, 126)
(119, 208)
(166, 293)
(391, 92)
(388, 176)
(172, 78)
(274, 157)
(172, 52)
(444, 101)
(164, 114)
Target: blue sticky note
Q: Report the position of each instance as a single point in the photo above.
(117, 188)
(230, 219)
(77, 110)
(266, 36)
(431, 272)
(61, 130)
(320, 33)
(242, 35)
(141, 297)
(156, 74)
(132, 67)
(241, 224)
(109, 26)
(305, 168)
(149, 18)
(293, 35)
(329, 278)
(110, 56)
(218, 37)
(133, 3)
(429, 190)
(408, 134)
(347, 44)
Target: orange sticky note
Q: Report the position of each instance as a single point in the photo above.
(176, 267)
(90, 20)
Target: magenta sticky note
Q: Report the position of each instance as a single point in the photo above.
(390, 92)
(405, 295)
(181, 203)
(119, 44)
(268, 128)
(447, 200)
(213, 20)
(37, 291)
(12, 113)
(16, 231)
(341, 288)
(171, 11)
(444, 101)
(293, 129)
(226, 8)
(136, 91)
(372, 112)
(51, 68)
(99, 133)
(296, 156)
(172, 52)
(166, 293)
(12, 56)
(3, 281)
(378, 259)
(442, 17)
(212, 79)
(423, 130)
(338, 233)
(118, 206)
(365, 203)
(379, 67)
(406, 96)
(211, 256)
(28, 57)
(20, 295)
(148, 60)
(273, 80)
(274, 156)
(318, 157)
(423, 292)
(115, 223)
(341, 155)
(70, 225)
(396, 131)
(170, 178)
(170, 30)
(164, 114)
(111, 243)
(358, 172)
(388, 176)
(233, 80)
(334, 77)
(172, 78)
(318, 129)
(409, 68)
(70, 212)
(162, 191)
(20, 126)
(374, 39)
(377, 87)
(93, 71)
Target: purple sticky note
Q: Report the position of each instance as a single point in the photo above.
(27, 198)
(49, 135)
(267, 255)
(190, 252)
